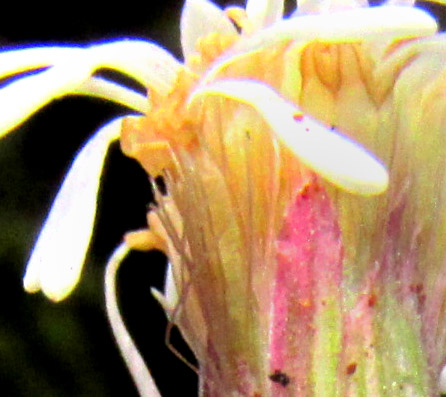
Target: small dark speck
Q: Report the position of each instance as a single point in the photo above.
(372, 300)
(351, 369)
(416, 288)
(280, 377)
(298, 116)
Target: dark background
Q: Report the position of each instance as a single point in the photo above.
(66, 349)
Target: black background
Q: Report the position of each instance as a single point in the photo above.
(66, 349)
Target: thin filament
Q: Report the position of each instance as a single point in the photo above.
(138, 370)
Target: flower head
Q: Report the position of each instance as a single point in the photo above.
(298, 265)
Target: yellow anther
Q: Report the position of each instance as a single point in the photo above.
(240, 18)
(145, 240)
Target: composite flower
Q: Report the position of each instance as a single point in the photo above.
(303, 217)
